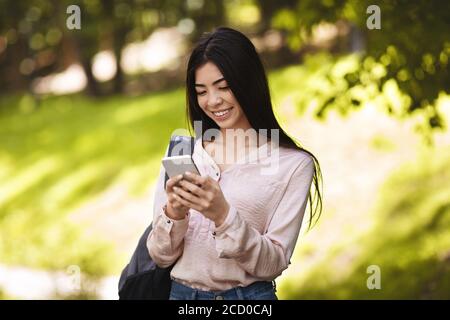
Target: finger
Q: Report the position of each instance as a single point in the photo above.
(173, 181)
(172, 200)
(187, 203)
(193, 188)
(186, 195)
(175, 203)
(194, 178)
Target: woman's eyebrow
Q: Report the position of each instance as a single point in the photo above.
(215, 82)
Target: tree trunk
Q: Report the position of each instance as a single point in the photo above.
(92, 88)
(119, 43)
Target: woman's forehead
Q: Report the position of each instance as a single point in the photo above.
(207, 73)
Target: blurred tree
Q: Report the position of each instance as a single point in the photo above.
(411, 49)
(30, 42)
(268, 10)
(205, 15)
(107, 25)
(34, 36)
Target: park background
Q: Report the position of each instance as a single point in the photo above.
(86, 114)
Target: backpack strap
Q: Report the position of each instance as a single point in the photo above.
(187, 144)
(142, 278)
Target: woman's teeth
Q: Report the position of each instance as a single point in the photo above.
(219, 114)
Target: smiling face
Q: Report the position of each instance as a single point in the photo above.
(217, 100)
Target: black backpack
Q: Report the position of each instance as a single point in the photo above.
(142, 278)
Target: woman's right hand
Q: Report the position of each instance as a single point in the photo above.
(175, 210)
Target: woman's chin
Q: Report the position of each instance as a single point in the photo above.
(228, 124)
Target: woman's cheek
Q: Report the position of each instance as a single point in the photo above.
(201, 102)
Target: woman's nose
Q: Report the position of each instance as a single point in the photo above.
(214, 100)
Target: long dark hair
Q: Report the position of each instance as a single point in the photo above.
(236, 57)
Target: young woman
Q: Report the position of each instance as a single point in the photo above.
(230, 231)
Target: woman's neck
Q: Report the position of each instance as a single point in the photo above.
(240, 138)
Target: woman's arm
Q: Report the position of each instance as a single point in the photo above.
(266, 256)
(165, 241)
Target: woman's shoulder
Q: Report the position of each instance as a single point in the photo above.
(288, 162)
(295, 156)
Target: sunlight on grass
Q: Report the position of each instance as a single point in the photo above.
(73, 182)
(22, 181)
(64, 151)
(410, 242)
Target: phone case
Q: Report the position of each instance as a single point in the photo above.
(179, 165)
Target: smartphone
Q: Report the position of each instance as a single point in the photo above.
(177, 165)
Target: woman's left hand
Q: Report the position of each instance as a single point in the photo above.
(205, 196)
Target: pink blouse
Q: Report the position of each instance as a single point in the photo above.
(258, 237)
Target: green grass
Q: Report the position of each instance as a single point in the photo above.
(410, 242)
(56, 155)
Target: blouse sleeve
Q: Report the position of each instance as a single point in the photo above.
(165, 241)
(266, 256)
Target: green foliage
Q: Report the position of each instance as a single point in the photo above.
(62, 151)
(242, 13)
(321, 81)
(411, 49)
(410, 242)
(35, 40)
(324, 88)
(382, 143)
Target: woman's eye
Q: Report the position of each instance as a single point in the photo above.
(202, 93)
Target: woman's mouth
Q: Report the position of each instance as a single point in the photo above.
(222, 115)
